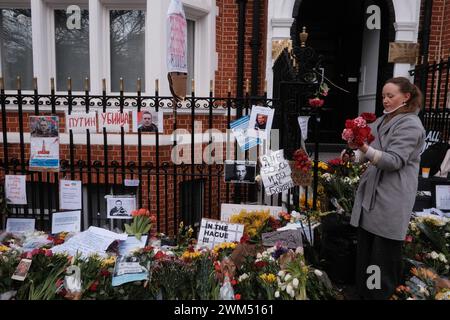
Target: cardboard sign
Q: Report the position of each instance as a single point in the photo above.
(114, 120)
(290, 238)
(78, 122)
(15, 189)
(213, 232)
(275, 172)
(403, 52)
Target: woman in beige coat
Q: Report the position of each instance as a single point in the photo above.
(387, 190)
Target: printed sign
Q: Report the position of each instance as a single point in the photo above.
(177, 38)
(275, 172)
(44, 143)
(19, 225)
(148, 121)
(239, 128)
(70, 195)
(120, 207)
(67, 221)
(213, 232)
(114, 120)
(240, 171)
(15, 189)
(78, 122)
(128, 269)
(289, 238)
(260, 122)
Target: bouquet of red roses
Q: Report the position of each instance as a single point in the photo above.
(356, 130)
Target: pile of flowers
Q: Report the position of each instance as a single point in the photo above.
(356, 130)
(255, 222)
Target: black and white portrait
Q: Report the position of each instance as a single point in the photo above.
(240, 171)
(120, 207)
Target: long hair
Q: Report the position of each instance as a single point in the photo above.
(414, 102)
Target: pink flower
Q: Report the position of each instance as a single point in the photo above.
(48, 253)
(347, 135)
(316, 102)
(360, 122)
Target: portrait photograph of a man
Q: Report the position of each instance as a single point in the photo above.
(120, 207)
(240, 171)
(147, 121)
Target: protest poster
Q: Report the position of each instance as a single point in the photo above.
(260, 122)
(239, 129)
(15, 189)
(240, 171)
(128, 269)
(229, 209)
(275, 172)
(44, 143)
(130, 244)
(114, 120)
(120, 207)
(70, 195)
(177, 38)
(213, 232)
(148, 121)
(20, 225)
(78, 122)
(67, 221)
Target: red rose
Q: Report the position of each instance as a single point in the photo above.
(369, 117)
(349, 124)
(233, 282)
(408, 239)
(245, 238)
(48, 253)
(316, 102)
(159, 255)
(93, 286)
(260, 264)
(237, 296)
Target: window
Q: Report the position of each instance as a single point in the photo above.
(16, 47)
(127, 47)
(71, 51)
(190, 53)
(192, 211)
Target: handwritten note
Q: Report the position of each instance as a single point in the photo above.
(275, 172)
(113, 121)
(213, 232)
(15, 189)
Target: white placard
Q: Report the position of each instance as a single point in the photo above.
(92, 241)
(19, 225)
(443, 197)
(303, 123)
(120, 207)
(70, 195)
(67, 221)
(229, 209)
(213, 232)
(260, 122)
(44, 143)
(114, 120)
(78, 122)
(275, 172)
(131, 244)
(15, 189)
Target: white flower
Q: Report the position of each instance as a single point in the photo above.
(277, 294)
(242, 277)
(281, 274)
(292, 294)
(295, 282)
(318, 272)
(289, 289)
(287, 277)
(258, 256)
(283, 287)
(299, 250)
(434, 255)
(442, 258)
(447, 235)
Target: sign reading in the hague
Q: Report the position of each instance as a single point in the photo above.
(213, 232)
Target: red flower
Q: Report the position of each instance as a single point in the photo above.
(408, 239)
(233, 282)
(105, 273)
(369, 117)
(335, 162)
(316, 102)
(148, 249)
(48, 253)
(349, 124)
(93, 286)
(260, 264)
(159, 255)
(245, 238)
(237, 296)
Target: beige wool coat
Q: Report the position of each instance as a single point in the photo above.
(387, 190)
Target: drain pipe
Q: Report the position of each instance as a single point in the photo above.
(428, 12)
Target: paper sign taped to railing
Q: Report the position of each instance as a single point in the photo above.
(78, 122)
(20, 225)
(275, 172)
(213, 232)
(114, 120)
(67, 221)
(70, 195)
(15, 189)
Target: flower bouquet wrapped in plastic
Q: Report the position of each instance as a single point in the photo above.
(357, 132)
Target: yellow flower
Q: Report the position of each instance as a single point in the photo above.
(253, 221)
(322, 165)
(190, 255)
(223, 246)
(268, 277)
(3, 248)
(108, 262)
